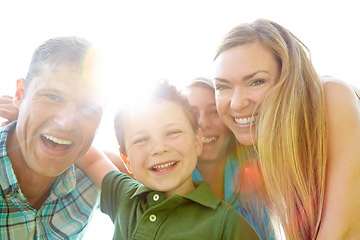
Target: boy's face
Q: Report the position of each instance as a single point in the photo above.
(162, 147)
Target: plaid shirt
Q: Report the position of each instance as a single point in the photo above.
(64, 214)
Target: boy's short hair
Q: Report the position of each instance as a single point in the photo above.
(163, 91)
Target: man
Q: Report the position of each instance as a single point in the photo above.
(43, 194)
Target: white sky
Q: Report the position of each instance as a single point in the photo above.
(170, 39)
(145, 40)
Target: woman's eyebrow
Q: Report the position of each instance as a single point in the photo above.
(246, 77)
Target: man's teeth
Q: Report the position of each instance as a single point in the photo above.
(160, 167)
(207, 140)
(56, 140)
(246, 120)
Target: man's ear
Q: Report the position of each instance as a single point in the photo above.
(198, 141)
(19, 93)
(126, 161)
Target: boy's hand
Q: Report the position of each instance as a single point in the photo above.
(8, 110)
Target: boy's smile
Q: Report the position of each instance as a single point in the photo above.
(164, 167)
(162, 147)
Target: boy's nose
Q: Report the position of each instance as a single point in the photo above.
(159, 147)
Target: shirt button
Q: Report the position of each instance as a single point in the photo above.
(152, 218)
(156, 197)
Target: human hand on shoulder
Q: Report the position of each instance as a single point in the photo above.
(8, 110)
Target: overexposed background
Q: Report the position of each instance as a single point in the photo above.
(143, 40)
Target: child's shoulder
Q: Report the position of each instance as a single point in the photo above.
(119, 181)
(235, 225)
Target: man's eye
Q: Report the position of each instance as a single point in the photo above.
(89, 109)
(52, 97)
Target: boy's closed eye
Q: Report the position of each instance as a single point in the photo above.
(173, 133)
(140, 140)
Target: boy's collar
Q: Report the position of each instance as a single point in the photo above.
(203, 194)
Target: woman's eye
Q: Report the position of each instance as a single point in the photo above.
(214, 112)
(257, 82)
(220, 87)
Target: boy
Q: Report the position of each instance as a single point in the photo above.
(159, 143)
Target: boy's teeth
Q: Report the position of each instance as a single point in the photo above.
(245, 120)
(207, 140)
(165, 165)
(56, 140)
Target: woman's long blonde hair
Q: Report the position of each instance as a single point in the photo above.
(292, 136)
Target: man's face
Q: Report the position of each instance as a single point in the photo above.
(58, 117)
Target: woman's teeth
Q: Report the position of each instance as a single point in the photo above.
(248, 120)
(208, 140)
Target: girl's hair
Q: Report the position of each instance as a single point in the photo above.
(292, 130)
(163, 91)
(202, 82)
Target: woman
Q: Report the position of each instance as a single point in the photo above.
(306, 132)
(218, 164)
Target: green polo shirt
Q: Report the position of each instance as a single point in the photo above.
(141, 213)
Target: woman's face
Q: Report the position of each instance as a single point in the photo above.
(243, 75)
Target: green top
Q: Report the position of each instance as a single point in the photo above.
(139, 212)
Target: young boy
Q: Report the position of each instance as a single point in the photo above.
(159, 143)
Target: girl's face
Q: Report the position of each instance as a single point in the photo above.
(216, 135)
(243, 75)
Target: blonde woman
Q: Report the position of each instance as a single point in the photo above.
(304, 131)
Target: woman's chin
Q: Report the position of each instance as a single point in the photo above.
(246, 139)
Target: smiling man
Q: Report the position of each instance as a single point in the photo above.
(43, 194)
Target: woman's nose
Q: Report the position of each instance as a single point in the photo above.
(204, 121)
(239, 99)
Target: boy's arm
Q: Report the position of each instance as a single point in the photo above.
(96, 165)
(119, 163)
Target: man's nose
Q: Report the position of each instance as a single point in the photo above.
(67, 117)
